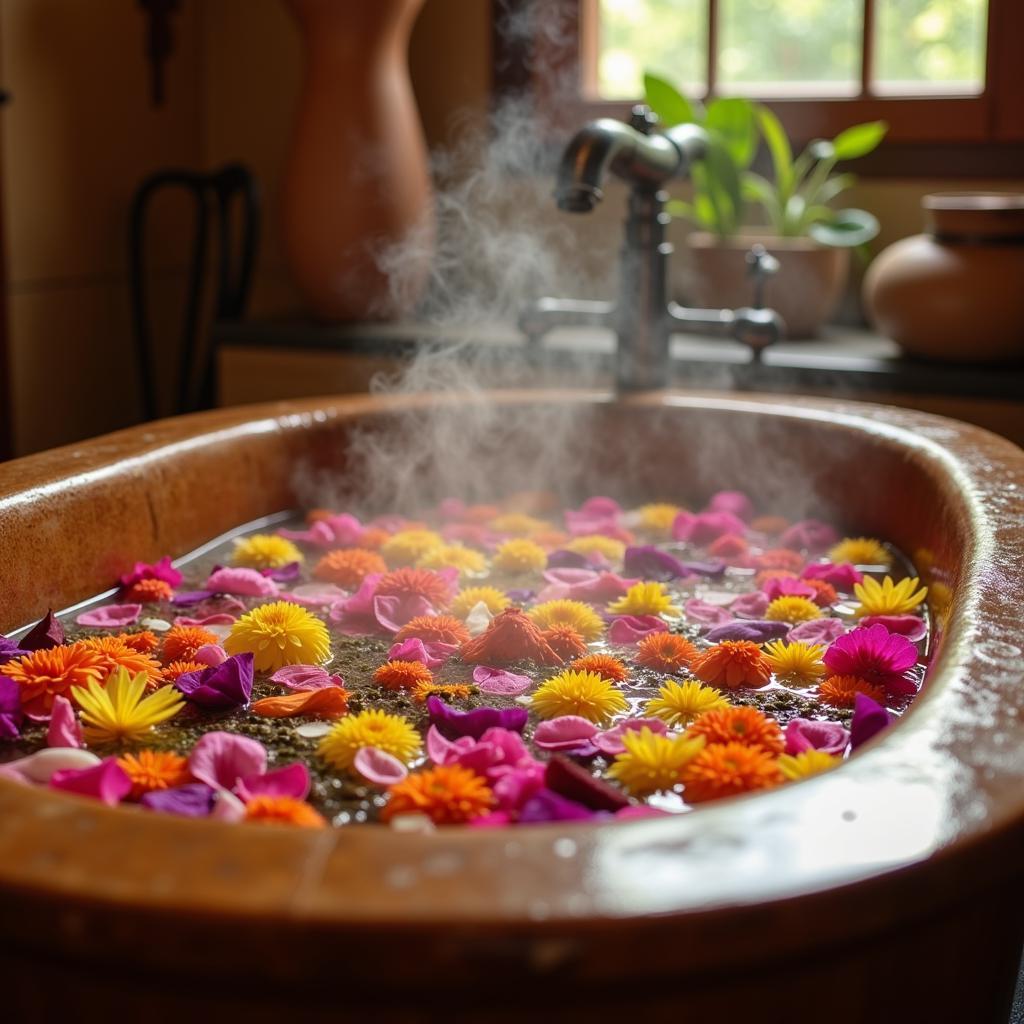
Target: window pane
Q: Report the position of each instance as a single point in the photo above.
(790, 47)
(930, 46)
(668, 37)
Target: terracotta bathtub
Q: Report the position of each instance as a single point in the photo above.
(888, 890)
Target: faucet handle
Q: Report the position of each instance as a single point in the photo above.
(643, 119)
(761, 265)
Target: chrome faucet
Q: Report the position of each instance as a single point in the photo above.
(643, 318)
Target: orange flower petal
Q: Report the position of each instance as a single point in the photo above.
(328, 702)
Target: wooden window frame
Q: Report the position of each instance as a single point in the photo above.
(936, 137)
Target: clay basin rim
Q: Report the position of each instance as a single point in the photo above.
(934, 805)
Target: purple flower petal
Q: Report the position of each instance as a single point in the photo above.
(564, 732)
(10, 649)
(651, 563)
(750, 606)
(759, 631)
(563, 559)
(191, 801)
(11, 714)
(452, 724)
(631, 629)
(500, 682)
(190, 597)
(817, 631)
(285, 574)
(546, 805)
(869, 719)
(220, 759)
(807, 734)
(379, 767)
(111, 616)
(575, 782)
(46, 633)
(290, 780)
(226, 685)
(106, 781)
(64, 729)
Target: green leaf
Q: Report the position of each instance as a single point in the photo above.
(859, 140)
(677, 208)
(834, 186)
(671, 106)
(846, 229)
(720, 179)
(793, 221)
(706, 215)
(781, 152)
(734, 121)
(760, 190)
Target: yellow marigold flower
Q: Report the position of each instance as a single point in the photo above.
(564, 612)
(446, 691)
(792, 609)
(798, 663)
(448, 795)
(679, 704)
(652, 763)
(518, 524)
(117, 709)
(393, 734)
(579, 693)
(645, 599)
(280, 633)
(264, 551)
(888, 598)
(861, 551)
(598, 544)
(810, 762)
(466, 600)
(658, 517)
(453, 556)
(519, 555)
(407, 547)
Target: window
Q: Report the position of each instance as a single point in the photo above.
(942, 72)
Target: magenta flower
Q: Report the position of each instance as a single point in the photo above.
(10, 709)
(807, 734)
(869, 719)
(841, 576)
(809, 535)
(106, 781)
(705, 527)
(46, 633)
(874, 654)
(452, 724)
(736, 503)
(910, 626)
(162, 570)
(226, 685)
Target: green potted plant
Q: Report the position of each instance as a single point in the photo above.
(796, 221)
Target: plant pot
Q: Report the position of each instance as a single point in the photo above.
(804, 292)
(356, 183)
(955, 293)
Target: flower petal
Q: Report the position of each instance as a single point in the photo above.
(500, 682)
(106, 781)
(110, 616)
(220, 759)
(379, 767)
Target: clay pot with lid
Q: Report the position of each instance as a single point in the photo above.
(957, 292)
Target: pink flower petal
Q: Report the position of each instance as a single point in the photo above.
(909, 626)
(750, 606)
(316, 595)
(498, 681)
(106, 781)
(379, 767)
(291, 780)
(319, 534)
(246, 582)
(808, 734)
(211, 654)
(393, 612)
(431, 654)
(817, 631)
(305, 677)
(637, 811)
(227, 807)
(705, 613)
(441, 750)
(64, 730)
(610, 740)
(220, 759)
(564, 732)
(111, 616)
(631, 629)
(217, 619)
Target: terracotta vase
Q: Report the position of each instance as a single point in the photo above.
(804, 292)
(957, 292)
(358, 222)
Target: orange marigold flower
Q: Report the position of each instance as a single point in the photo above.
(729, 545)
(372, 538)
(446, 691)
(448, 795)
(347, 567)
(402, 675)
(43, 675)
(666, 652)
(426, 583)
(728, 769)
(154, 769)
(549, 539)
(841, 691)
(740, 725)
(283, 810)
(179, 668)
(772, 525)
(115, 654)
(145, 642)
(824, 593)
(773, 574)
(732, 664)
(182, 642)
(565, 641)
(434, 629)
(511, 636)
(149, 591)
(604, 665)
(780, 558)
